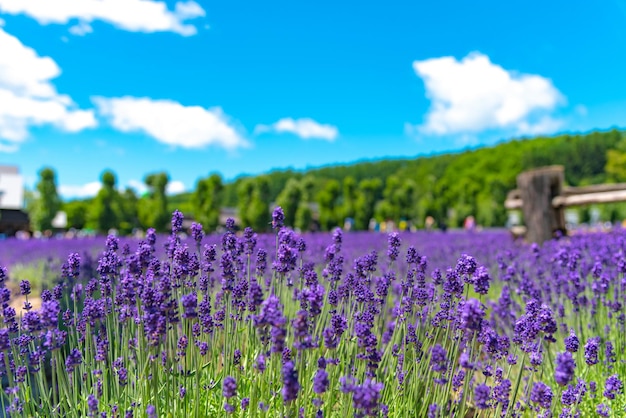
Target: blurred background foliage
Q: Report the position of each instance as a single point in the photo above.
(448, 187)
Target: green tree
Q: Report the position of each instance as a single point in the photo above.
(245, 190)
(389, 208)
(368, 194)
(304, 213)
(406, 198)
(258, 212)
(104, 212)
(348, 198)
(206, 201)
(153, 211)
(615, 167)
(47, 203)
(129, 216)
(327, 200)
(76, 212)
(288, 199)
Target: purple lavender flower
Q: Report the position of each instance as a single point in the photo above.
(5, 339)
(320, 381)
(151, 411)
(197, 233)
(501, 393)
(458, 379)
(365, 397)
(229, 387)
(71, 268)
(466, 265)
(190, 303)
(613, 386)
(482, 396)
(610, 352)
(291, 387)
(249, 241)
(25, 287)
(481, 280)
(569, 396)
(122, 375)
(565, 366)
(591, 350)
(571, 342)
(74, 358)
(260, 363)
(541, 394)
(278, 218)
(261, 262)
(603, 410)
(393, 250)
(286, 258)
(433, 410)
(277, 337)
(438, 358)
(92, 404)
(177, 222)
(244, 403)
(472, 314)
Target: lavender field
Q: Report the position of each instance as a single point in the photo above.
(318, 325)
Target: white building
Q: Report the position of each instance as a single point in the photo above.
(11, 188)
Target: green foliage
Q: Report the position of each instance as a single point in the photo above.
(129, 211)
(349, 197)
(447, 187)
(153, 207)
(328, 201)
(289, 200)
(244, 198)
(304, 217)
(206, 201)
(258, 214)
(616, 162)
(76, 212)
(105, 212)
(368, 193)
(47, 202)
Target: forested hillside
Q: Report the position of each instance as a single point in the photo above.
(447, 187)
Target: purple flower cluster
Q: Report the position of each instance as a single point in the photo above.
(456, 332)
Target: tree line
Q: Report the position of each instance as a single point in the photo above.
(447, 187)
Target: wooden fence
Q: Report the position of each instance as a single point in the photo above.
(542, 197)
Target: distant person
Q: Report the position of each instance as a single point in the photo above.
(443, 227)
(429, 223)
(469, 224)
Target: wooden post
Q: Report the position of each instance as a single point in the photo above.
(538, 188)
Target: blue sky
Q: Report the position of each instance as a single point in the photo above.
(236, 87)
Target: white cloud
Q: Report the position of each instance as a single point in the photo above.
(131, 15)
(139, 186)
(305, 128)
(28, 98)
(175, 187)
(81, 29)
(474, 95)
(542, 126)
(170, 122)
(80, 191)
